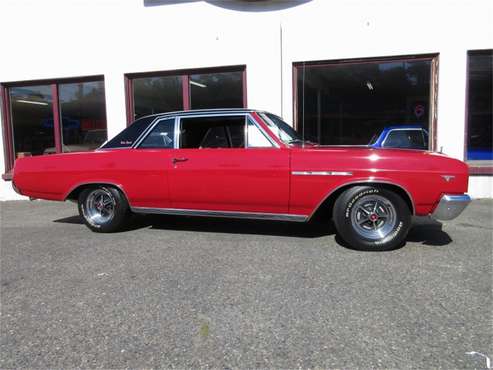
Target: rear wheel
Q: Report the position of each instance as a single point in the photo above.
(372, 218)
(103, 208)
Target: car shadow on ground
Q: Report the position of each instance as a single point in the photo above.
(424, 230)
(221, 225)
(428, 231)
(234, 226)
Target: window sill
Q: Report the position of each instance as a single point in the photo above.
(483, 168)
(7, 176)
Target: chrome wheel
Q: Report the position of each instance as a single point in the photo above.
(373, 217)
(100, 206)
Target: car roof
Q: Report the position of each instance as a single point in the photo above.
(404, 127)
(203, 111)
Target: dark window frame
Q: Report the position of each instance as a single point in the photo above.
(7, 129)
(433, 104)
(185, 76)
(474, 168)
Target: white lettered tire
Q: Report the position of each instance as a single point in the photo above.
(372, 218)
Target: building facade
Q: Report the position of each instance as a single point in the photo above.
(75, 73)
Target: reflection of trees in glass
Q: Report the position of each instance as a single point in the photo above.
(83, 114)
(216, 90)
(83, 100)
(157, 94)
(207, 90)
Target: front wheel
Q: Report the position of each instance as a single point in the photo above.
(103, 208)
(372, 218)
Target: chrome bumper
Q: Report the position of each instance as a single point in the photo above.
(450, 206)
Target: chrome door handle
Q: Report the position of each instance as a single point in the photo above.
(176, 160)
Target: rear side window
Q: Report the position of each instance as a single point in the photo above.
(409, 139)
(127, 137)
(212, 132)
(161, 136)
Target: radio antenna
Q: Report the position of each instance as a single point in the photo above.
(303, 108)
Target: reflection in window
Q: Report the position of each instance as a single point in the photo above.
(161, 136)
(480, 101)
(345, 103)
(82, 115)
(256, 139)
(129, 136)
(213, 132)
(32, 119)
(157, 95)
(407, 139)
(216, 90)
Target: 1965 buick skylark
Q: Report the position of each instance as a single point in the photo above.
(248, 164)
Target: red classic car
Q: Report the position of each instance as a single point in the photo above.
(248, 164)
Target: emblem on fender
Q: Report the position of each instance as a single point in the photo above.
(448, 178)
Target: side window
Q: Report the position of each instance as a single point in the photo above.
(256, 139)
(161, 136)
(215, 137)
(408, 139)
(212, 132)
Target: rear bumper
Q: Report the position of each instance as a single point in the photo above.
(450, 206)
(16, 189)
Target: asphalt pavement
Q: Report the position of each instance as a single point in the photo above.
(174, 292)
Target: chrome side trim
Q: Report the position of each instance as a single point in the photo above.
(450, 206)
(362, 182)
(225, 214)
(321, 173)
(176, 135)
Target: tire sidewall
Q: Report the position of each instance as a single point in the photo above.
(342, 219)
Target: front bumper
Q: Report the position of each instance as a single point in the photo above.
(450, 206)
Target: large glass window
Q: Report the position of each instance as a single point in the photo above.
(152, 93)
(480, 101)
(157, 95)
(31, 112)
(348, 103)
(51, 117)
(82, 115)
(216, 90)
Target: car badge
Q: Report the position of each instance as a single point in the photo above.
(448, 178)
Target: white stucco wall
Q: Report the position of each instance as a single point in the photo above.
(60, 38)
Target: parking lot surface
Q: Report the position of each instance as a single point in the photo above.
(176, 292)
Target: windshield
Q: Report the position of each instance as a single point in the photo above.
(281, 129)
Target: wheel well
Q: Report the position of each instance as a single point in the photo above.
(326, 207)
(74, 194)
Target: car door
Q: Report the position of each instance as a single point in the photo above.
(150, 165)
(215, 169)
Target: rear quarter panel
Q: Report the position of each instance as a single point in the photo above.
(53, 177)
(419, 173)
